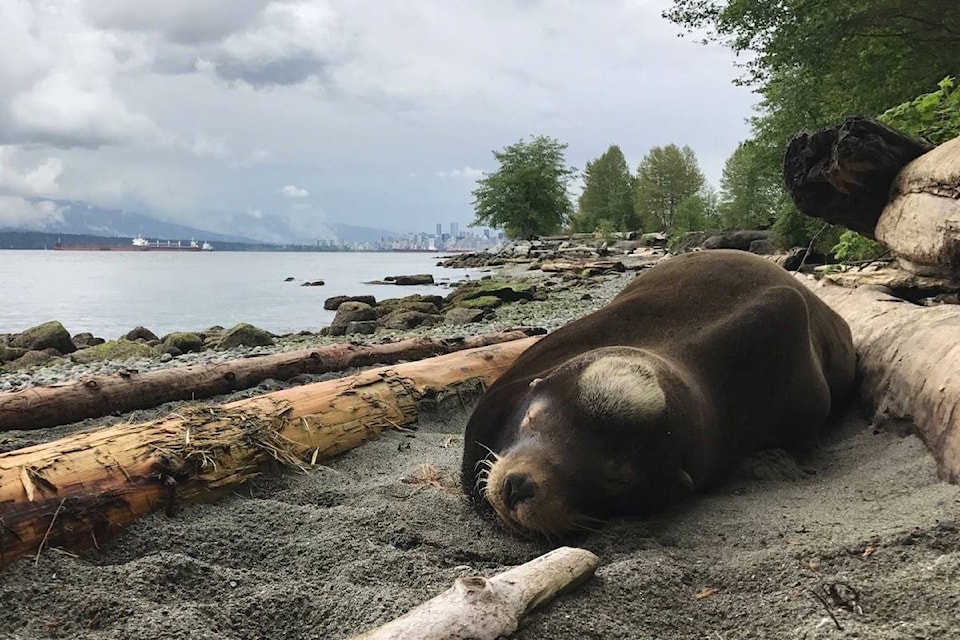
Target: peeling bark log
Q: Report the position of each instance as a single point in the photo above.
(908, 363)
(479, 608)
(843, 174)
(78, 491)
(40, 407)
(921, 224)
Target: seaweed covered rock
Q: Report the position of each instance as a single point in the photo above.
(503, 291)
(350, 312)
(141, 333)
(245, 335)
(410, 319)
(49, 335)
(184, 342)
(332, 304)
(116, 350)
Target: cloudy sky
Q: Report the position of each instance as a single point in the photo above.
(367, 112)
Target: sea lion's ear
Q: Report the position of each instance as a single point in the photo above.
(622, 387)
(685, 481)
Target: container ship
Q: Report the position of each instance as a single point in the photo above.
(138, 243)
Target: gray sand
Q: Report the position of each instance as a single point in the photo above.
(352, 544)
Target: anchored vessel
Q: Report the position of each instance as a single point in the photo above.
(139, 243)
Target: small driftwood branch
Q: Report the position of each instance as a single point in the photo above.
(478, 608)
(908, 363)
(40, 407)
(78, 491)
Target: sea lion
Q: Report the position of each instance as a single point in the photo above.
(698, 361)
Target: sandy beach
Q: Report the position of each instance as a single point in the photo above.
(853, 538)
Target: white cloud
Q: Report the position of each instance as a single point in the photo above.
(40, 180)
(291, 191)
(467, 173)
(20, 213)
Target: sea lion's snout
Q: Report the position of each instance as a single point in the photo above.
(518, 487)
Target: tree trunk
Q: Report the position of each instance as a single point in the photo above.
(908, 363)
(80, 490)
(921, 224)
(39, 407)
(843, 174)
(478, 608)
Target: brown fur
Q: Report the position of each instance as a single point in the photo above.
(698, 361)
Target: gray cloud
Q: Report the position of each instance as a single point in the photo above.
(183, 108)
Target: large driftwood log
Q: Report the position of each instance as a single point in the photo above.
(843, 174)
(921, 224)
(80, 490)
(479, 608)
(908, 361)
(39, 407)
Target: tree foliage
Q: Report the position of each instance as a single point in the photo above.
(607, 198)
(665, 178)
(527, 195)
(934, 116)
(748, 200)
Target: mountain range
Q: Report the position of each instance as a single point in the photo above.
(82, 219)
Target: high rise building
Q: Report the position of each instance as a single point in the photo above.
(454, 230)
(439, 229)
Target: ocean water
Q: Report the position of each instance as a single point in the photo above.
(109, 293)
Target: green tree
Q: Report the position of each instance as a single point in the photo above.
(815, 62)
(527, 195)
(698, 212)
(607, 198)
(665, 178)
(748, 200)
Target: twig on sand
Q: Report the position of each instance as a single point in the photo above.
(36, 560)
(826, 605)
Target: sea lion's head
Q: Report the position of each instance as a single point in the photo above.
(595, 437)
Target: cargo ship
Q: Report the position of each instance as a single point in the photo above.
(138, 243)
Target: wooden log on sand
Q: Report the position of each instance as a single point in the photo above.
(478, 608)
(908, 363)
(40, 407)
(843, 174)
(78, 491)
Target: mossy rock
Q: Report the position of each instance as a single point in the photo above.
(505, 291)
(483, 302)
(184, 341)
(49, 335)
(8, 354)
(115, 350)
(245, 335)
(36, 358)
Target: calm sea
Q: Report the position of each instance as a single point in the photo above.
(109, 293)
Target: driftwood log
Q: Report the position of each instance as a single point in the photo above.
(843, 174)
(479, 608)
(921, 224)
(40, 407)
(78, 491)
(908, 362)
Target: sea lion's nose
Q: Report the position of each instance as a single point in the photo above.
(518, 487)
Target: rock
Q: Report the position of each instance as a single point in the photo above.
(173, 352)
(350, 312)
(463, 315)
(184, 341)
(792, 260)
(763, 247)
(365, 327)
(289, 279)
(115, 350)
(36, 358)
(423, 304)
(8, 354)
(49, 335)
(482, 302)
(332, 304)
(416, 279)
(140, 333)
(314, 283)
(655, 239)
(736, 239)
(245, 335)
(86, 339)
(166, 357)
(504, 291)
(410, 319)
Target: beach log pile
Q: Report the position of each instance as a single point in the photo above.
(92, 397)
(79, 491)
(885, 185)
